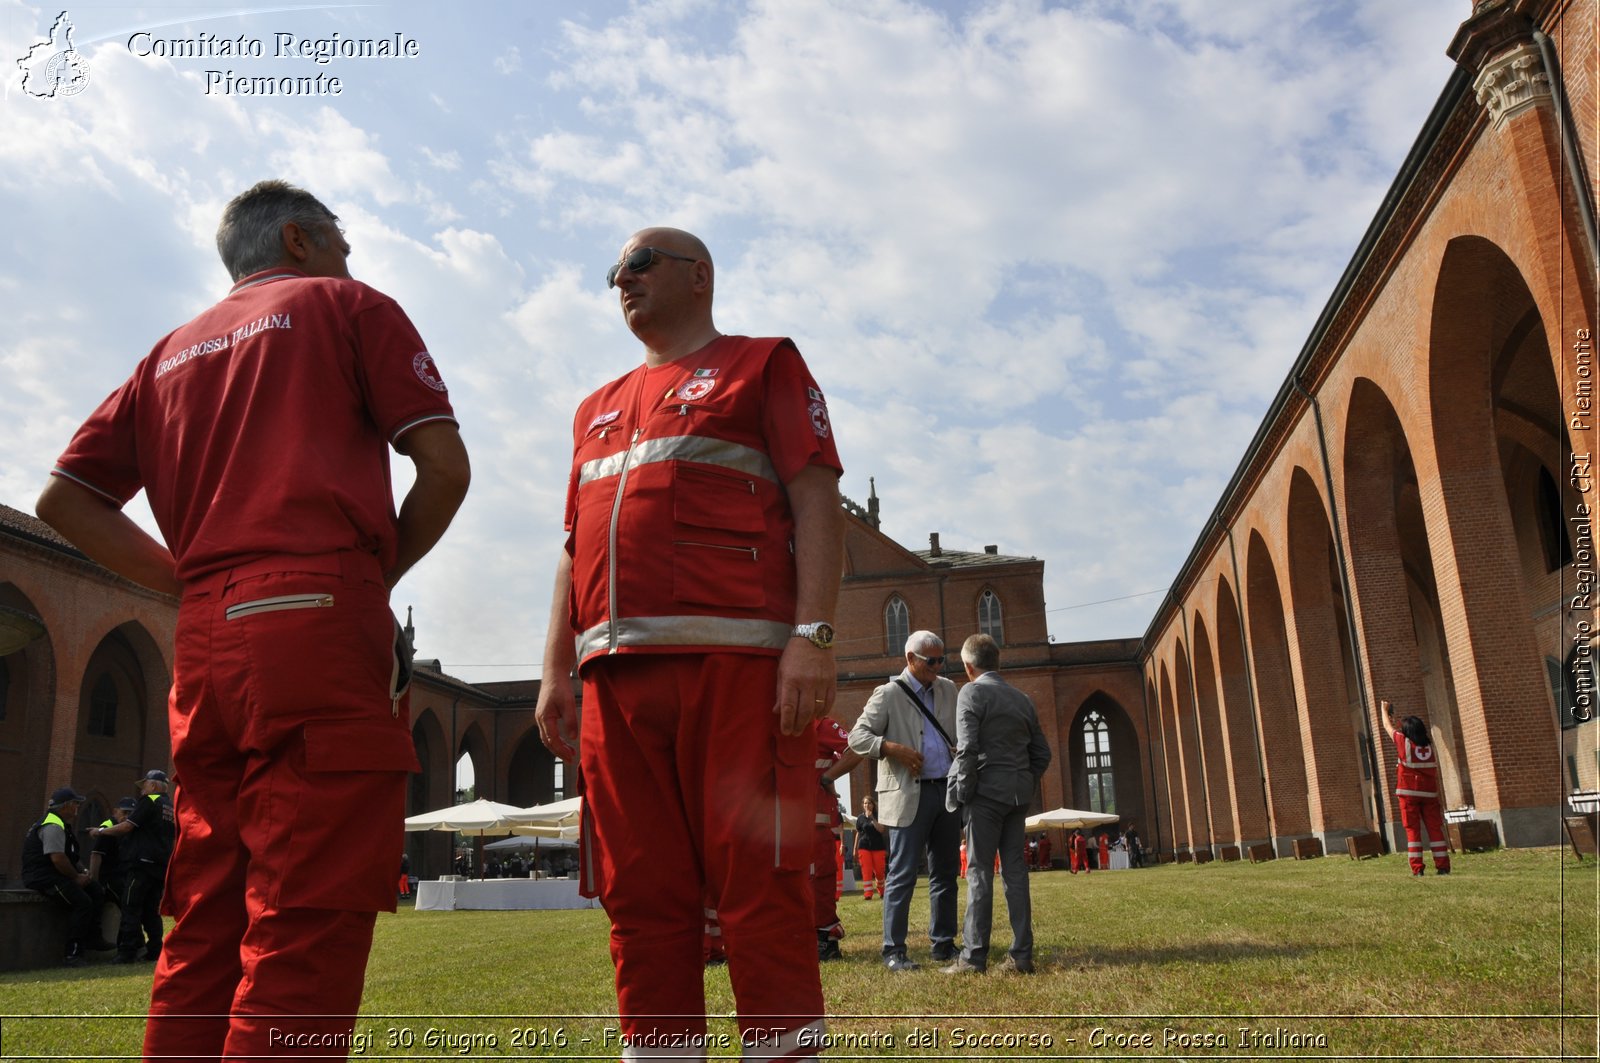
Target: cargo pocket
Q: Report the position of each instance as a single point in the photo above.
(718, 530)
(347, 830)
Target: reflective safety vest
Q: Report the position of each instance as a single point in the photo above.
(1418, 773)
(37, 868)
(681, 532)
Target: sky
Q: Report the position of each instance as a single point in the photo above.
(1048, 261)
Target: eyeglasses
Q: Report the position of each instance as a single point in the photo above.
(641, 259)
(936, 662)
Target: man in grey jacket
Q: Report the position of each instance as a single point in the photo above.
(1000, 754)
(908, 726)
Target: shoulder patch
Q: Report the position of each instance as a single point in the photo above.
(423, 365)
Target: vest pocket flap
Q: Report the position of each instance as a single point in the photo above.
(706, 497)
(359, 745)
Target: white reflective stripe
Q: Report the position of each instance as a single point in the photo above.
(824, 762)
(824, 820)
(702, 449)
(801, 1042)
(278, 602)
(710, 913)
(683, 631)
(1416, 793)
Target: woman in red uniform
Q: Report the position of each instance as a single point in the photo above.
(1417, 787)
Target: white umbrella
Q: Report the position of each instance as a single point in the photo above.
(1068, 818)
(475, 818)
(518, 844)
(553, 820)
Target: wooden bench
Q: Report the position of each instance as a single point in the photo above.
(1473, 835)
(1230, 853)
(1362, 846)
(1261, 852)
(1202, 856)
(1184, 857)
(1307, 848)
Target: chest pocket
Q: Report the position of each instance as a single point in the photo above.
(718, 535)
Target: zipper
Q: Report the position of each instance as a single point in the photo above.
(611, 545)
(754, 552)
(280, 602)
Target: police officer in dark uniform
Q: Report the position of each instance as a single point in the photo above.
(151, 830)
(50, 866)
(108, 863)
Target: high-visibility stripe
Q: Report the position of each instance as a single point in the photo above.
(801, 1042)
(1416, 793)
(702, 449)
(638, 631)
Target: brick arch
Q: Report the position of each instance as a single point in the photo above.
(1193, 767)
(1171, 766)
(1250, 825)
(128, 662)
(1482, 349)
(25, 731)
(431, 788)
(1213, 744)
(477, 748)
(1127, 770)
(1392, 567)
(1331, 716)
(1277, 712)
(530, 778)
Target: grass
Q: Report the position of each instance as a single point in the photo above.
(1325, 958)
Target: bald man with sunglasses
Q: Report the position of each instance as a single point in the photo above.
(695, 598)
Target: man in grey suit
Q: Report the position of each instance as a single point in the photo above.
(1000, 754)
(908, 726)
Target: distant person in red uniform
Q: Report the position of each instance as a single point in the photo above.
(1080, 853)
(1417, 787)
(834, 759)
(260, 433)
(695, 596)
(1044, 852)
(1103, 844)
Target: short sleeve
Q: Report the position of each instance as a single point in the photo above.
(103, 455)
(798, 430)
(401, 383)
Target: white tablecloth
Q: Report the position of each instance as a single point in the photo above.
(502, 894)
(1119, 861)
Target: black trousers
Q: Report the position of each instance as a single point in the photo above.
(141, 911)
(83, 908)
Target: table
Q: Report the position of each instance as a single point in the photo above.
(1119, 861)
(501, 894)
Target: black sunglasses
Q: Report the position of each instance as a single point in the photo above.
(641, 259)
(936, 662)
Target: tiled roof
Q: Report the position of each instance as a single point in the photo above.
(969, 558)
(21, 525)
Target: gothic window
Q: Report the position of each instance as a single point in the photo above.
(897, 624)
(103, 707)
(1097, 763)
(989, 622)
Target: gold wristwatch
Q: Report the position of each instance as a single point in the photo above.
(819, 633)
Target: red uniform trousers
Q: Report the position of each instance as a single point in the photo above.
(291, 761)
(825, 872)
(1415, 814)
(692, 799)
(871, 864)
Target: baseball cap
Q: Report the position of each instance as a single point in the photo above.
(155, 775)
(127, 804)
(64, 794)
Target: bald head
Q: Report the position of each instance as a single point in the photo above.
(665, 281)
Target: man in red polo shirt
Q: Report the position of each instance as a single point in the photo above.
(695, 596)
(260, 433)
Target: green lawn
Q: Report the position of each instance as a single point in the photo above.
(1323, 958)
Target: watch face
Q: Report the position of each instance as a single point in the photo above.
(822, 635)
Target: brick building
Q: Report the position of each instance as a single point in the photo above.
(1412, 521)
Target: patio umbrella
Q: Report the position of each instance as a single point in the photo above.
(558, 819)
(474, 819)
(1068, 819)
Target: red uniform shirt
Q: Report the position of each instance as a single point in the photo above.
(261, 427)
(832, 741)
(679, 527)
(1418, 772)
